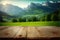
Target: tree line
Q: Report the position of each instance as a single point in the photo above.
(55, 16)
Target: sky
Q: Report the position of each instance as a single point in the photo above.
(21, 3)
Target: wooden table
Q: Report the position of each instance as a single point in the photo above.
(29, 32)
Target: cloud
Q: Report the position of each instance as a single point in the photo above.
(24, 0)
(51, 1)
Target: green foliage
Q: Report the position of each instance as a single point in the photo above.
(34, 18)
(1, 19)
(22, 19)
(30, 18)
(14, 20)
(48, 18)
(54, 16)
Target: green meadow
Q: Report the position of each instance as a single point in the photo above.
(41, 23)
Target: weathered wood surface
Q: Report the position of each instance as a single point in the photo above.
(29, 32)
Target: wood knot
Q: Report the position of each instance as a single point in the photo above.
(55, 33)
(7, 33)
(20, 35)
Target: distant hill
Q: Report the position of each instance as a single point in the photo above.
(3, 14)
(46, 7)
(10, 9)
(42, 9)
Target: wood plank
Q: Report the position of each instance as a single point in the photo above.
(21, 33)
(49, 31)
(32, 33)
(3, 27)
(9, 32)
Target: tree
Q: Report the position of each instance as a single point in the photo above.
(1, 19)
(30, 20)
(34, 18)
(14, 20)
(48, 18)
(59, 15)
(24, 19)
(56, 16)
(20, 20)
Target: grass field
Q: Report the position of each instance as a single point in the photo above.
(44, 23)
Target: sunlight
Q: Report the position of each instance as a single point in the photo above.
(21, 5)
(5, 3)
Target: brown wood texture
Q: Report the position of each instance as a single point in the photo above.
(29, 32)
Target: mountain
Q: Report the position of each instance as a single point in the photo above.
(46, 7)
(10, 9)
(42, 9)
(3, 15)
(32, 9)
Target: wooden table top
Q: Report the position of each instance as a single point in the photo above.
(29, 32)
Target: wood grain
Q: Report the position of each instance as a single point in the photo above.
(29, 32)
